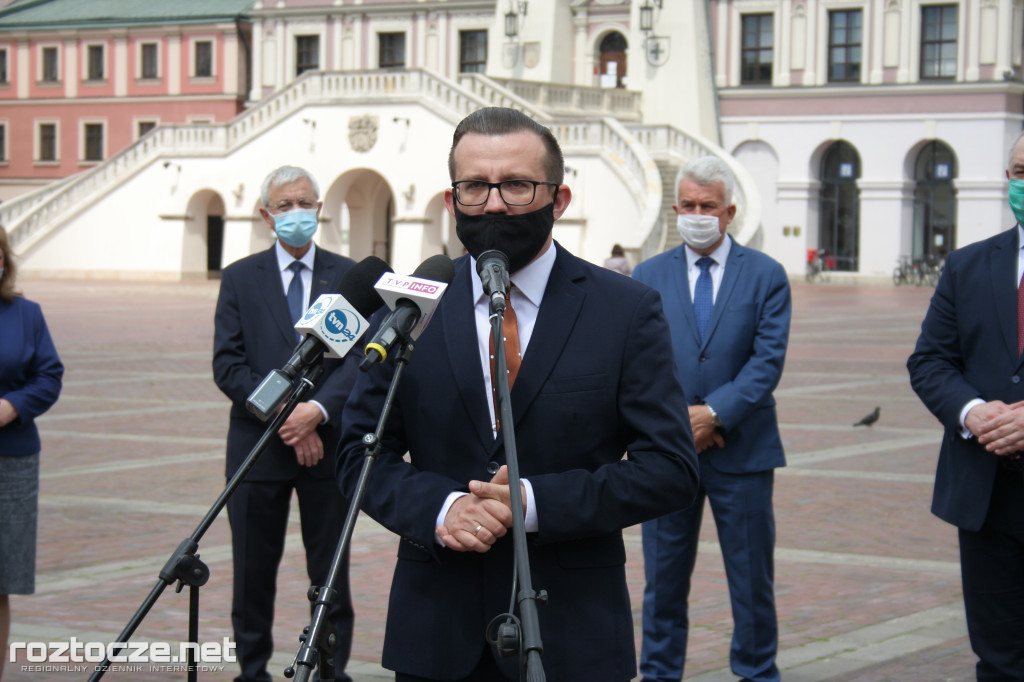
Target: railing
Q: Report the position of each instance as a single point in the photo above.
(576, 100)
(30, 217)
(686, 146)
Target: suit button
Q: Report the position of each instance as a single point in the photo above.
(1015, 379)
(492, 468)
(703, 358)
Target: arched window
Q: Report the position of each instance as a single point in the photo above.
(613, 57)
(934, 202)
(838, 217)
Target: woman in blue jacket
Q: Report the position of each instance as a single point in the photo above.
(30, 381)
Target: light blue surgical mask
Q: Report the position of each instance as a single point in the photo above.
(1017, 199)
(296, 227)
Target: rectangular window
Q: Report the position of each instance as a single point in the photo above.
(844, 40)
(756, 58)
(307, 54)
(47, 141)
(149, 61)
(95, 63)
(472, 51)
(938, 41)
(145, 127)
(204, 58)
(392, 49)
(93, 141)
(3, 142)
(3, 64)
(50, 73)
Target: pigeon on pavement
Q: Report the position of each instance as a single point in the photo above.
(870, 419)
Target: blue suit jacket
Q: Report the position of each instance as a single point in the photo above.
(968, 349)
(595, 383)
(30, 374)
(740, 361)
(253, 334)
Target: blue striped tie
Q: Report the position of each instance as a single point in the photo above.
(294, 293)
(703, 301)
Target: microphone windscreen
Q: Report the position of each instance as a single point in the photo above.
(357, 285)
(437, 268)
(489, 256)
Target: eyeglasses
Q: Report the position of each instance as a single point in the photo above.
(286, 205)
(512, 192)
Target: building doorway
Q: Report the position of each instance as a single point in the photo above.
(838, 216)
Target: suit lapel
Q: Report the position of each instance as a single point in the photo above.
(458, 322)
(323, 275)
(681, 281)
(563, 301)
(269, 283)
(1003, 266)
(733, 268)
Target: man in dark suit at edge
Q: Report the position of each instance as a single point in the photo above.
(596, 381)
(967, 369)
(261, 298)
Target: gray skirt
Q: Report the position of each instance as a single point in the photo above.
(19, 503)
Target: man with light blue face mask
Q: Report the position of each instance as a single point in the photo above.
(728, 309)
(967, 370)
(261, 298)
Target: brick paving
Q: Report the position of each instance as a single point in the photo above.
(867, 579)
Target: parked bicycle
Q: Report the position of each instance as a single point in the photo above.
(906, 272)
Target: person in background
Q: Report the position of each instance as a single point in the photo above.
(729, 309)
(966, 369)
(261, 298)
(618, 262)
(30, 381)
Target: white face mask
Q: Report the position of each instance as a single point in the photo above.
(698, 231)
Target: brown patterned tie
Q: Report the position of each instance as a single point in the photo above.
(513, 358)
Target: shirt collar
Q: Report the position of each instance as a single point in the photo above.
(530, 280)
(284, 259)
(719, 255)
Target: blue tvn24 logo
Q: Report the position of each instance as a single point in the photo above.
(340, 327)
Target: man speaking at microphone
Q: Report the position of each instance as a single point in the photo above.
(596, 381)
(261, 298)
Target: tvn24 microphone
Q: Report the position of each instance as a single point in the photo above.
(492, 266)
(412, 301)
(331, 327)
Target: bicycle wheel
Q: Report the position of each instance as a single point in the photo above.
(812, 270)
(897, 276)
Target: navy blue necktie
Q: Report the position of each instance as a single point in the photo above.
(703, 300)
(294, 294)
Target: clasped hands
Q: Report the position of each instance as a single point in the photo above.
(299, 432)
(998, 426)
(475, 521)
(704, 432)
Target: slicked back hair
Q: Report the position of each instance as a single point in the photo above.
(498, 121)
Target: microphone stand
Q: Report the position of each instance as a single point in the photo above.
(509, 635)
(318, 639)
(184, 565)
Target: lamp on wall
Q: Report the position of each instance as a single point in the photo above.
(517, 10)
(647, 15)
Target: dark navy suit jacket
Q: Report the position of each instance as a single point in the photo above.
(968, 349)
(739, 363)
(30, 374)
(596, 382)
(254, 334)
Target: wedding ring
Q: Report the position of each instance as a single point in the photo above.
(477, 529)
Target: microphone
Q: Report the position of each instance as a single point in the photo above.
(412, 301)
(492, 266)
(331, 326)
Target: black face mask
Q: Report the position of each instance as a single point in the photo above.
(520, 237)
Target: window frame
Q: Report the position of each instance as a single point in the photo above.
(381, 47)
(482, 62)
(759, 49)
(194, 44)
(5, 65)
(5, 140)
(83, 140)
(300, 67)
(141, 56)
(88, 74)
(37, 142)
(925, 43)
(41, 74)
(846, 47)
